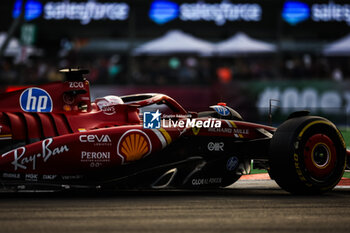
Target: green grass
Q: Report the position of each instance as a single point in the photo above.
(346, 174)
(346, 134)
(257, 171)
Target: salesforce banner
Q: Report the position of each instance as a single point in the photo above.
(85, 12)
(295, 12)
(164, 11)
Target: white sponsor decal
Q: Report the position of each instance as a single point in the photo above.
(87, 156)
(229, 130)
(76, 84)
(31, 177)
(107, 107)
(221, 130)
(73, 177)
(20, 161)
(95, 164)
(11, 175)
(216, 146)
(108, 110)
(93, 138)
(49, 177)
(206, 181)
(241, 131)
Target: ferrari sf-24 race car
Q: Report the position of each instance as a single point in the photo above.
(53, 136)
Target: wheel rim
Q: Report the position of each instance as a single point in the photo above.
(320, 156)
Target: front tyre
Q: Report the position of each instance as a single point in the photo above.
(307, 155)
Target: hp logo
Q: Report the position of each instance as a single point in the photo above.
(222, 110)
(232, 163)
(35, 100)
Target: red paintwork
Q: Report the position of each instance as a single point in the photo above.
(240, 129)
(70, 160)
(9, 101)
(317, 171)
(71, 139)
(15, 88)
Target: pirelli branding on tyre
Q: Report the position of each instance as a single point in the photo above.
(307, 155)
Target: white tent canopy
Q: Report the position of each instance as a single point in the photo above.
(339, 47)
(13, 46)
(240, 43)
(175, 42)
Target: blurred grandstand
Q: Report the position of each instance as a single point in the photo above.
(283, 49)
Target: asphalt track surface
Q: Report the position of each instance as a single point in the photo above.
(248, 206)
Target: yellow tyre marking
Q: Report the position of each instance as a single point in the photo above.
(299, 172)
(322, 122)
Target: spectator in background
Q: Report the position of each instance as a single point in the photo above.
(176, 70)
(337, 74)
(8, 73)
(188, 73)
(114, 69)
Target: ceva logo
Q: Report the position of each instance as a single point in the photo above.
(35, 100)
(295, 12)
(33, 9)
(163, 11)
(95, 138)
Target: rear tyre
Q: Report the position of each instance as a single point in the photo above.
(307, 155)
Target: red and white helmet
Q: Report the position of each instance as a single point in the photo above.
(109, 100)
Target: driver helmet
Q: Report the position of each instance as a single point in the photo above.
(108, 101)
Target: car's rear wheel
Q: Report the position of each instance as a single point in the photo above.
(307, 155)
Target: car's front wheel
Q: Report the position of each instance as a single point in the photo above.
(307, 155)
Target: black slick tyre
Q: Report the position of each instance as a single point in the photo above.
(307, 155)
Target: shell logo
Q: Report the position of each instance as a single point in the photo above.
(134, 145)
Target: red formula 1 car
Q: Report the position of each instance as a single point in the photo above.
(52, 136)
